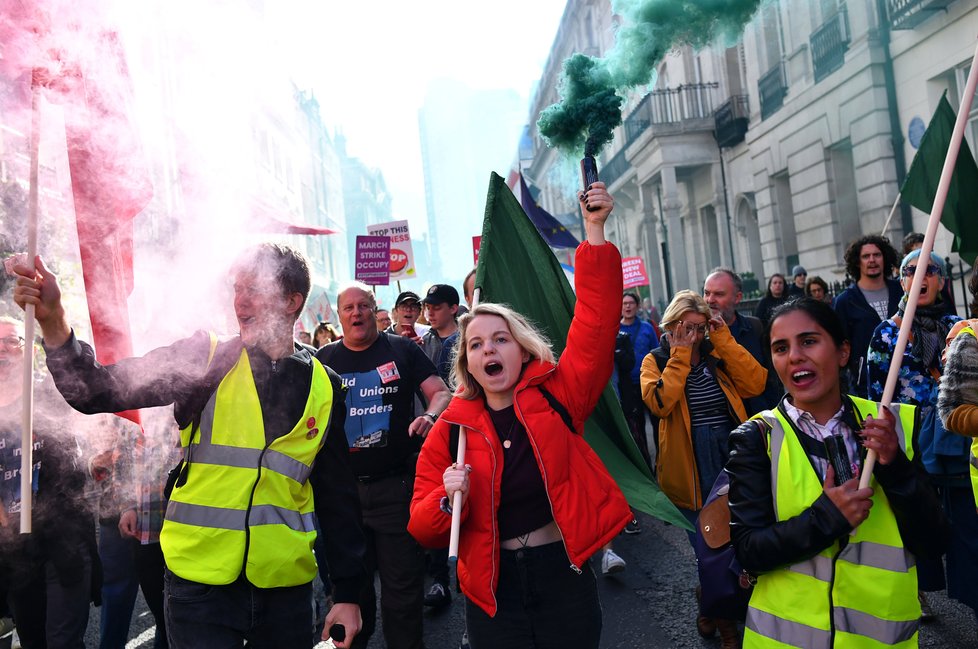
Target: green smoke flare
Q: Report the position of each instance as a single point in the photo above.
(592, 89)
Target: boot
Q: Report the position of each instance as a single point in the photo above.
(705, 626)
(730, 637)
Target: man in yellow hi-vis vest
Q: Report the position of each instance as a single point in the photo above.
(265, 459)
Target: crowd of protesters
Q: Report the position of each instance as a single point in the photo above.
(329, 456)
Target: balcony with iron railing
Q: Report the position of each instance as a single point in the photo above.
(772, 88)
(907, 14)
(829, 44)
(680, 109)
(732, 119)
(615, 168)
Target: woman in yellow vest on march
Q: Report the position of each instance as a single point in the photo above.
(835, 564)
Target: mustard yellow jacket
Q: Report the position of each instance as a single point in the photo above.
(664, 392)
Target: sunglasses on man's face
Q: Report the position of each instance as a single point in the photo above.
(932, 269)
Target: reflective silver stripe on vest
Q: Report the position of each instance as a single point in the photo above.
(205, 516)
(287, 466)
(776, 437)
(247, 458)
(974, 461)
(207, 420)
(272, 515)
(877, 555)
(795, 634)
(902, 435)
(870, 626)
(820, 567)
(234, 519)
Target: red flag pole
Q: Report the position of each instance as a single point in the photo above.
(918, 278)
(27, 396)
(459, 461)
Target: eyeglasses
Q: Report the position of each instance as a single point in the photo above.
(12, 342)
(701, 329)
(932, 269)
(410, 306)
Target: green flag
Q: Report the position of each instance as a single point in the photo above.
(516, 267)
(960, 214)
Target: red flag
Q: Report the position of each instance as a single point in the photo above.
(82, 67)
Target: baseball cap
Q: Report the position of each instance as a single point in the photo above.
(798, 270)
(405, 297)
(441, 294)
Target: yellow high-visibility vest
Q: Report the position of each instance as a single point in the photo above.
(860, 592)
(246, 506)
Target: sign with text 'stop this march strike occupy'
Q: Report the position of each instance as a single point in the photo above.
(372, 264)
(402, 256)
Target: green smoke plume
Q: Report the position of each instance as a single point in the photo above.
(592, 89)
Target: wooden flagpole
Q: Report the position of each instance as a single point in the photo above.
(459, 461)
(27, 396)
(935, 218)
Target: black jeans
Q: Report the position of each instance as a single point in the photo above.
(397, 557)
(542, 603)
(50, 612)
(222, 617)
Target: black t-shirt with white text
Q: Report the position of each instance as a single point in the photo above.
(381, 382)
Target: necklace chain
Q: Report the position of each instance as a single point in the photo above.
(507, 440)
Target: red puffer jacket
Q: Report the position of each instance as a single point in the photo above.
(587, 505)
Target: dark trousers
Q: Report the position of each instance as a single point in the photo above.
(438, 566)
(635, 413)
(127, 566)
(399, 560)
(222, 617)
(150, 568)
(542, 604)
(119, 584)
(50, 613)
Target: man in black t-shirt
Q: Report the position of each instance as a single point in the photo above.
(382, 372)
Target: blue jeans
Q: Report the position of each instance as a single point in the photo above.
(542, 604)
(119, 584)
(222, 617)
(711, 448)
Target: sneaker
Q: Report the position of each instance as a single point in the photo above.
(611, 563)
(437, 596)
(633, 527)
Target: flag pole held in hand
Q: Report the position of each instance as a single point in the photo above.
(460, 461)
(918, 279)
(27, 396)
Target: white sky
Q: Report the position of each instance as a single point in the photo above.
(370, 64)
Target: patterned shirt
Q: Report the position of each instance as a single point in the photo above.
(805, 422)
(916, 384)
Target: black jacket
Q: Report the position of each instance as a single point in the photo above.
(176, 374)
(859, 320)
(763, 544)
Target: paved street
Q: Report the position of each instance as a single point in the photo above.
(650, 605)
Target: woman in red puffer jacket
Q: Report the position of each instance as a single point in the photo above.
(537, 501)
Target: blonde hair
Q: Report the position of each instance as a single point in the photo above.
(524, 333)
(683, 302)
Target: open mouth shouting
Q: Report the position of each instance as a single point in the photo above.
(802, 378)
(493, 368)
